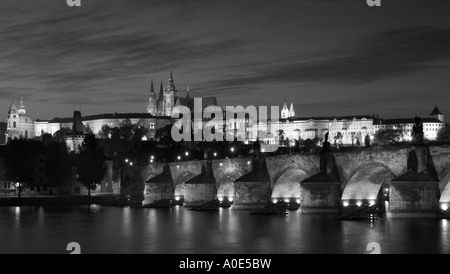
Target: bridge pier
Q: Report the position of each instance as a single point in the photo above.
(415, 194)
(321, 193)
(202, 188)
(159, 187)
(252, 190)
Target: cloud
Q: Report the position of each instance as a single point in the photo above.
(67, 54)
(380, 56)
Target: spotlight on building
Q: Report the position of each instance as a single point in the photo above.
(372, 202)
(444, 207)
(187, 153)
(177, 198)
(220, 198)
(232, 149)
(298, 201)
(131, 163)
(230, 199)
(345, 204)
(179, 157)
(274, 201)
(359, 204)
(215, 154)
(286, 201)
(126, 160)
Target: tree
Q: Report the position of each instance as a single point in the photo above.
(21, 159)
(115, 133)
(87, 129)
(338, 139)
(388, 136)
(105, 132)
(126, 129)
(60, 135)
(444, 134)
(91, 166)
(57, 163)
(309, 144)
(139, 132)
(2, 133)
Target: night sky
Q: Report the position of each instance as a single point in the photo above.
(329, 57)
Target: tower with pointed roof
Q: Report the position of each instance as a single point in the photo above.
(284, 111)
(436, 113)
(152, 103)
(160, 101)
(162, 104)
(169, 96)
(291, 111)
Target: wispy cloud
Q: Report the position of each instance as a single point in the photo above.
(105, 53)
(380, 56)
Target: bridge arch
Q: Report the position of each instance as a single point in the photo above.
(445, 194)
(366, 182)
(225, 183)
(180, 187)
(288, 184)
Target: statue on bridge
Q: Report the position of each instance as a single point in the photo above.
(326, 144)
(417, 133)
(367, 140)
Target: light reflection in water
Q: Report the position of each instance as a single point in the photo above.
(178, 230)
(445, 237)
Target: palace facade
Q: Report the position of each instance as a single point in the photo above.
(158, 115)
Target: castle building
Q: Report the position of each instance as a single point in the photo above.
(346, 130)
(168, 98)
(158, 115)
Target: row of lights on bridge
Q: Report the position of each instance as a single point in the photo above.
(359, 203)
(287, 201)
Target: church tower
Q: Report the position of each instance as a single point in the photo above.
(13, 122)
(437, 114)
(291, 111)
(152, 104)
(160, 102)
(284, 111)
(22, 110)
(169, 96)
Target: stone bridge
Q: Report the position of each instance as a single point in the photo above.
(359, 176)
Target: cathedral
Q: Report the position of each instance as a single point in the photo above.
(158, 115)
(168, 98)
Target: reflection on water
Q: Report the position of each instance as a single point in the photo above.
(178, 230)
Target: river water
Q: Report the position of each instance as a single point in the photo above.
(134, 230)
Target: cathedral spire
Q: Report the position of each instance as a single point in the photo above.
(284, 111)
(152, 90)
(161, 90)
(291, 111)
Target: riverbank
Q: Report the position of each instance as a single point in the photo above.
(102, 199)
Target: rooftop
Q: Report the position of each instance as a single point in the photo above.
(436, 111)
